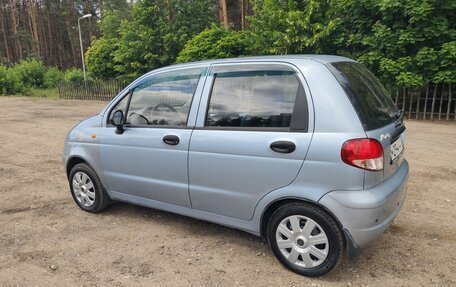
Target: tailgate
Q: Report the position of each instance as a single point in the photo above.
(392, 138)
(377, 113)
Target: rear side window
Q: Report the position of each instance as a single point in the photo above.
(253, 99)
(369, 98)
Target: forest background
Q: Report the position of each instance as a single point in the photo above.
(409, 44)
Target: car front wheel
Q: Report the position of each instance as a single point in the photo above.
(306, 239)
(86, 188)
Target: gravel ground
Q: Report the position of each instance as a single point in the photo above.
(46, 240)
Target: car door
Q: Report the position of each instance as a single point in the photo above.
(149, 159)
(251, 136)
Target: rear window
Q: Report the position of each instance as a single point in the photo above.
(369, 98)
(253, 99)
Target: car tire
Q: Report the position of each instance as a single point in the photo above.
(86, 189)
(305, 239)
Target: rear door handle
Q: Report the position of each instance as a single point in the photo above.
(171, 140)
(283, 146)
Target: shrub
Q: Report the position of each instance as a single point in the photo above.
(31, 72)
(100, 58)
(52, 77)
(73, 75)
(214, 43)
(10, 82)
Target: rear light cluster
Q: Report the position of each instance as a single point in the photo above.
(363, 153)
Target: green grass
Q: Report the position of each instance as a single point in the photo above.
(42, 93)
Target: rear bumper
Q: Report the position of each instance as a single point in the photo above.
(365, 214)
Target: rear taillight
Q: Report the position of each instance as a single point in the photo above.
(363, 153)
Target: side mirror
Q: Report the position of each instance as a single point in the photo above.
(118, 121)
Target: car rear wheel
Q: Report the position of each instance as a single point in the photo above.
(86, 188)
(306, 239)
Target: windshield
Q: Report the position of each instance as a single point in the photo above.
(369, 98)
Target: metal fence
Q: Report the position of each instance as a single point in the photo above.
(435, 102)
(90, 90)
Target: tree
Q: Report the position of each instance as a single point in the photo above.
(276, 27)
(157, 32)
(291, 26)
(100, 58)
(224, 13)
(397, 40)
(446, 71)
(44, 29)
(214, 43)
(113, 13)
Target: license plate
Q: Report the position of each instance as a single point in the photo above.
(397, 147)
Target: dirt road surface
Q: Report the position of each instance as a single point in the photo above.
(41, 227)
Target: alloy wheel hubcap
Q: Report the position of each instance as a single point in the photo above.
(83, 189)
(302, 241)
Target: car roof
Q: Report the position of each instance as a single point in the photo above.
(324, 59)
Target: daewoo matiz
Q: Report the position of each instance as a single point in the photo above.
(305, 150)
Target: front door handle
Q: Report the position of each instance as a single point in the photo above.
(171, 139)
(283, 146)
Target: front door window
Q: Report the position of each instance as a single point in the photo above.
(163, 100)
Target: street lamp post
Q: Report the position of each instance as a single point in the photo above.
(80, 42)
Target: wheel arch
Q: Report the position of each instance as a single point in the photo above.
(73, 161)
(274, 205)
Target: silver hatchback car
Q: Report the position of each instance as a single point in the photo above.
(305, 151)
